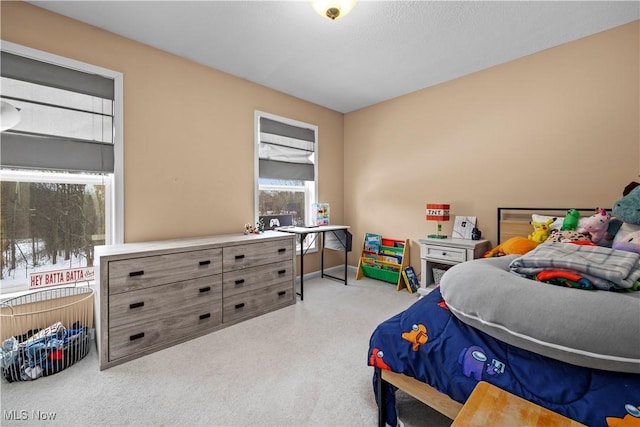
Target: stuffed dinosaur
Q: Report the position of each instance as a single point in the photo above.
(570, 222)
(627, 211)
(596, 225)
(514, 246)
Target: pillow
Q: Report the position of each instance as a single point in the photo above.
(555, 225)
(572, 325)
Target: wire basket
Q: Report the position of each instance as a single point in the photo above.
(438, 271)
(45, 332)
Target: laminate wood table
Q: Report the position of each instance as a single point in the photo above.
(491, 406)
(340, 235)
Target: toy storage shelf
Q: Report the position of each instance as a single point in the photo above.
(383, 259)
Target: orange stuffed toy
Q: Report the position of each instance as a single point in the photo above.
(513, 246)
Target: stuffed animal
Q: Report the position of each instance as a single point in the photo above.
(627, 211)
(513, 246)
(570, 222)
(629, 243)
(541, 230)
(567, 236)
(596, 225)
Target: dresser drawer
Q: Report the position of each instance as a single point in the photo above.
(137, 273)
(250, 304)
(165, 330)
(249, 255)
(444, 254)
(144, 304)
(251, 278)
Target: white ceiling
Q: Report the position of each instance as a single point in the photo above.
(381, 50)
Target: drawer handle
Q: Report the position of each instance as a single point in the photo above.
(281, 272)
(207, 262)
(136, 304)
(239, 281)
(282, 293)
(239, 306)
(205, 316)
(282, 250)
(205, 289)
(136, 273)
(444, 254)
(239, 256)
(136, 336)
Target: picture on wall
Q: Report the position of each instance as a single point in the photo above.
(462, 227)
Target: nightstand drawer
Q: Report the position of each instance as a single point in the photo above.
(445, 254)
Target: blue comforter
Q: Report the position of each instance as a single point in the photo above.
(428, 343)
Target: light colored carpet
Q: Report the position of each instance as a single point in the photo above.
(303, 365)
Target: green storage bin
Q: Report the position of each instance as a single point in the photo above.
(380, 274)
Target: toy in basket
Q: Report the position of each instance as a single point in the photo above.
(45, 332)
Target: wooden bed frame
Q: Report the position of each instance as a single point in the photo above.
(512, 222)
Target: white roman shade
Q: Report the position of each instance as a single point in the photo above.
(286, 151)
(67, 117)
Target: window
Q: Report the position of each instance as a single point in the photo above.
(61, 168)
(286, 167)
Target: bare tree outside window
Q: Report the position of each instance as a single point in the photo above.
(48, 226)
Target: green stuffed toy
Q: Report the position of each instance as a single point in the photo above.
(570, 222)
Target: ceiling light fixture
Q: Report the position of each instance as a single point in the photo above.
(333, 9)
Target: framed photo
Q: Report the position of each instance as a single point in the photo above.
(462, 227)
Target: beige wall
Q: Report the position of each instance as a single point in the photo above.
(559, 128)
(188, 130)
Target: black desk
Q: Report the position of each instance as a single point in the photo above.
(341, 240)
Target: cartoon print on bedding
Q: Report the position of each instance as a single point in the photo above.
(417, 336)
(630, 419)
(377, 359)
(474, 359)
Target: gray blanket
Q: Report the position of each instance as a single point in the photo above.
(606, 268)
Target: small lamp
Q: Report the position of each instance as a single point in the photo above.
(437, 212)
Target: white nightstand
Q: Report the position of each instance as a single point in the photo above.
(446, 251)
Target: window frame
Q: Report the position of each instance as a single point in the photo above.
(114, 203)
(311, 190)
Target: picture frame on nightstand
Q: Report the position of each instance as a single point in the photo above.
(462, 227)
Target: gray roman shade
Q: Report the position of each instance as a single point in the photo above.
(27, 146)
(33, 71)
(286, 151)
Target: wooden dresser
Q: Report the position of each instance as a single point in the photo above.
(157, 294)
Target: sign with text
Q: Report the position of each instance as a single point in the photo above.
(45, 279)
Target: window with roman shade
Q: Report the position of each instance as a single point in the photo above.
(286, 167)
(60, 167)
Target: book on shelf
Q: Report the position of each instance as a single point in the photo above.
(410, 279)
(372, 243)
